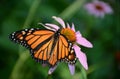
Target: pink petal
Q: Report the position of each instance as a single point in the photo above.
(53, 26)
(81, 56)
(107, 9)
(47, 27)
(71, 68)
(73, 27)
(52, 69)
(82, 41)
(100, 14)
(68, 25)
(78, 33)
(90, 8)
(59, 20)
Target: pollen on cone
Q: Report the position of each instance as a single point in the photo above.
(70, 34)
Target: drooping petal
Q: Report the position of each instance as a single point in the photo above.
(52, 69)
(82, 41)
(71, 68)
(59, 20)
(47, 27)
(73, 27)
(53, 26)
(81, 56)
(101, 14)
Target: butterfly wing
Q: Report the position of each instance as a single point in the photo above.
(31, 38)
(45, 46)
(53, 53)
(66, 51)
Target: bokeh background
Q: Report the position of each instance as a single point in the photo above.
(103, 33)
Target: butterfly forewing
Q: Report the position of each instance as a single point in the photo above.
(27, 37)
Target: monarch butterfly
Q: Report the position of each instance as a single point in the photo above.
(46, 46)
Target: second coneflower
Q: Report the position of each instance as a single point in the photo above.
(98, 8)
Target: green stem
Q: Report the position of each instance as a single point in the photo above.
(97, 66)
(32, 12)
(83, 74)
(18, 66)
(72, 9)
(24, 55)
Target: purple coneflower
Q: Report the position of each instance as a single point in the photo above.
(98, 8)
(75, 37)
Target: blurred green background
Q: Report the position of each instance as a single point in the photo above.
(103, 33)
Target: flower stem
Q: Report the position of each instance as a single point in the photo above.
(72, 9)
(32, 12)
(23, 56)
(97, 66)
(18, 66)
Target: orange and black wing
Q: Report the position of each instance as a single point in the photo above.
(45, 46)
(63, 50)
(55, 50)
(31, 38)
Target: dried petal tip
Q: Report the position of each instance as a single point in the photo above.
(51, 70)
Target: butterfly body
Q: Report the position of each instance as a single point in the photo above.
(46, 46)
